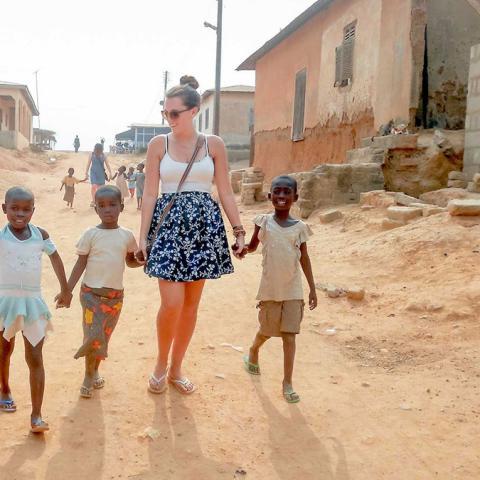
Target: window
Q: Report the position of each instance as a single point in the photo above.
(207, 118)
(299, 105)
(344, 57)
(200, 123)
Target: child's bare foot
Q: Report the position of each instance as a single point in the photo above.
(289, 394)
(37, 425)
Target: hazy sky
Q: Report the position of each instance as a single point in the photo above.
(101, 62)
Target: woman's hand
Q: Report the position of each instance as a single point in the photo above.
(239, 247)
(141, 253)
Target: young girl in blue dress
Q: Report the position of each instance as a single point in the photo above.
(22, 307)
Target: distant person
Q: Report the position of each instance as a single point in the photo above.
(69, 183)
(102, 141)
(120, 178)
(189, 245)
(284, 251)
(139, 184)
(22, 307)
(131, 177)
(96, 170)
(102, 252)
(76, 143)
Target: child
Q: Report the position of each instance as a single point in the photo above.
(280, 293)
(69, 182)
(140, 184)
(121, 181)
(131, 177)
(102, 253)
(22, 307)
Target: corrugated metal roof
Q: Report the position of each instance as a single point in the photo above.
(25, 89)
(310, 12)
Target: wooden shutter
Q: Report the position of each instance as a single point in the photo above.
(347, 53)
(338, 66)
(299, 105)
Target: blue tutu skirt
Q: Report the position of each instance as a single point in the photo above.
(192, 243)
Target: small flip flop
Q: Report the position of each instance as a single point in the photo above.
(8, 406)
(251, 368)
(85, 392)
(99, 383)
(183, 385)
(290, 395)
(39, 426)
(157, 385)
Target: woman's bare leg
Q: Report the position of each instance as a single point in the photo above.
(172, 297)
(185, 326)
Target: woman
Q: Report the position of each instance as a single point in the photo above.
(191, 245)
(96, 169)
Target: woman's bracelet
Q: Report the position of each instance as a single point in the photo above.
(239, 231)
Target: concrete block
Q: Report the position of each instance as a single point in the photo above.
(465, 207)
(403, 214)
(405, 200)
(457, 184)
(473, 187)
(433, 210)
(377, 198)
(456, 175)
(393, 142)
(388, 224)
(476, 179)
(330, 216)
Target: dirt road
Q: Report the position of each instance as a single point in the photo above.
(389, 385)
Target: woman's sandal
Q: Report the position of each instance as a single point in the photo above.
(183, 385)
(157, 385)
(8, 406)
(251, 368)
(98, 383)
(290, 395)
(39, 426)
(86, 392)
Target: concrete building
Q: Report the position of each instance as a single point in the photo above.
(344, 68)
(236, 118)
(17, 110)
(139, 134)
(44, 139)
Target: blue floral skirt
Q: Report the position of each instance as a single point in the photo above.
(192, 243)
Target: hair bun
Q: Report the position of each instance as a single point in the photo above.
(189, 80)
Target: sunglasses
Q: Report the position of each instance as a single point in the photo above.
(174, 114)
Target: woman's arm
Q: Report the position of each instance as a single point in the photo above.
(307, 270)
(155, 151)
(88, 165)
(108, 167)
(222, 181)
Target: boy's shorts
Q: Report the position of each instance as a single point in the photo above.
(276, 318)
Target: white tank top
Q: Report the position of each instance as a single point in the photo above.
(199, 179)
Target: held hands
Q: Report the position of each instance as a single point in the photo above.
(63, 299)
(141, 253)
(239, 248)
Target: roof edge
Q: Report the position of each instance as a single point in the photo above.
(293, 26)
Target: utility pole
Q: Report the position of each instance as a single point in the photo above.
(165, 83)
(218, 70)
(36, 90)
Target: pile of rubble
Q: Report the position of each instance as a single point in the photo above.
(249, 183)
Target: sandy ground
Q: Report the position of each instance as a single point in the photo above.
(391, 393)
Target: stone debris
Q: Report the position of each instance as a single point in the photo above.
(473, 187)
(465, 207)
(150, 433)
(456, 175)
(403, 214)
(234, 347)
(251, 187)
(405, 200)
(443, 196)
(388, 224)
(236, 178)
(377, 198)
(457, 184)
(330, 216)
(355, 293)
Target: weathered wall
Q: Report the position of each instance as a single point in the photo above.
(453, 27)
(335, 118)
(14, 98)
(471, 161)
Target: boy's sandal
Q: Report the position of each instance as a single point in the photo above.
(251, 368)
(39, 426)
(157, 385)
(290, 395)
(98, 383)
(85, 392)
(183, 385)
(8, 406)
